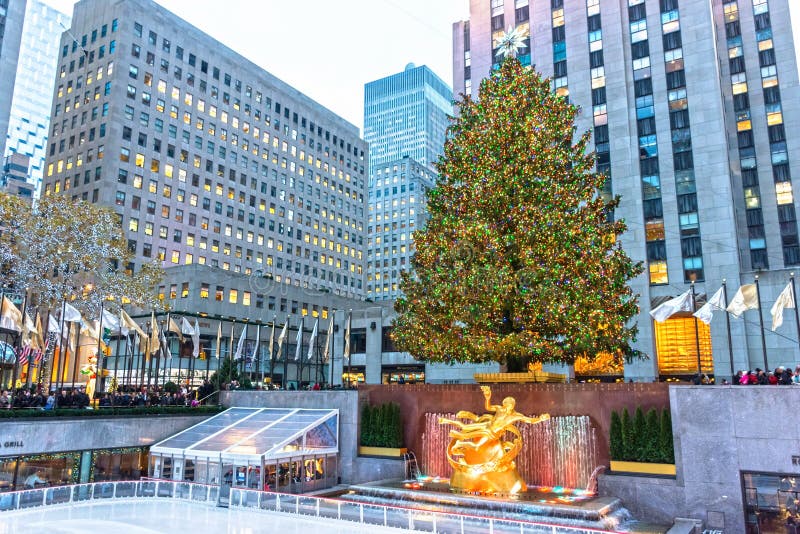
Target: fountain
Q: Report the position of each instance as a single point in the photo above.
(480, 467)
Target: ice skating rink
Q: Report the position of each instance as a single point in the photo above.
(169, 517)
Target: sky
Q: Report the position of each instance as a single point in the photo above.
(328, 49)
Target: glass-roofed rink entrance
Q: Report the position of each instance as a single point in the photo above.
(274, 449)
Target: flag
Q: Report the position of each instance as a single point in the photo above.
(706, 311)
(38, 338)
(196, 339)
(327, 350)
(127, 324)
(186, 327)
(258, 340)
(219, 338)
(165, 347)
(312, 340)
(110, 322)
(282, 338)
(346, 353)
(153, 343)
(52, 325)
(669, 308)
(230, 344)
(785, 300)
(272, 338)
(38, 356)
(173, 327)
(744, 299)
(10, 316)
(22, 355)
(71, 315)
(298, 347)
(240, 344)
(28, 331)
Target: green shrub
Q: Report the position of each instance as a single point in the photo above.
(171, 387)
(381, 426)
(628, 439)
(667, 452)
(615, 437)
(639, 436)
(650, 452)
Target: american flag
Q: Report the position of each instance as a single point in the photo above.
(23, 355)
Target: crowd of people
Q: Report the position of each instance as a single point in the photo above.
(128, 396)
(781, 376)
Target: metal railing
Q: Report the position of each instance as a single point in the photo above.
(319, 507)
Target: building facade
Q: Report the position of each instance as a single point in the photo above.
(12, 14)
(29, 121)
(207, 158)
(406, 114)
(14, 177)
(705, 93)
(397, 208)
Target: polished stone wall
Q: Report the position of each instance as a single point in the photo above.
(719, 432)
(32, 436)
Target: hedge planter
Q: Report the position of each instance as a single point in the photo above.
(643, 468)
(385, 452)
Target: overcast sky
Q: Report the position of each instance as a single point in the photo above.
(328, 49)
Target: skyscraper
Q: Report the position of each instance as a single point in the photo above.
(405, 122)
(12, 13)
(29, 121)
(692, 104)
(406, 114)
(207, 158)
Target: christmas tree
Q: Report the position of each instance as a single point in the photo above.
(520, 259)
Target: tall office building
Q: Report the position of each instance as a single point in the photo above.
(694, 109)
(406, 114)
(397, 201)
(33, 91)
(207, 158)
(12, 13)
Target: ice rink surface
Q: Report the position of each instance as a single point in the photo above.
(169, 517)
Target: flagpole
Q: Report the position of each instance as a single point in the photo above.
(18, 352)
(46, 339)
(796, 311)
(99, 366)
(331, 352)
(761, 321)
(285, 381)
(271, 357)
(728, 324)
(696, 329)
(116, 351)
(349, 350)
(300, 372)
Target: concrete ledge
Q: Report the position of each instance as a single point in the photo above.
(645, 468)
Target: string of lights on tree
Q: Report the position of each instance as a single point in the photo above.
(519, 260)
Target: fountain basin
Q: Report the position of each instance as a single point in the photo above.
(559, 506)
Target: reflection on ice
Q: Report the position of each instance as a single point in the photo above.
(174, 517)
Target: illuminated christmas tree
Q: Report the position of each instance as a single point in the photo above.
(520, 260)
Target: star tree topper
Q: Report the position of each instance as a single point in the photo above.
(511, 41)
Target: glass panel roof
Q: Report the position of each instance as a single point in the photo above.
(269, 432)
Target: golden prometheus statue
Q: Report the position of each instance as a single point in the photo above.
(481, 456)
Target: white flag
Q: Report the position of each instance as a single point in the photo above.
(52, 325)
(196, 339)
(298, 341)
(346, 353)
(165, 345)
(282, 338)
(706, 311)
(109, 321)
(71, 315)
(186, 327)
(744, 299)
(240, 344)
(312, 340)
(785, 300)
(327, 351)
(10, 316)
(669, 308)
(219, 339)
(258, 340)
